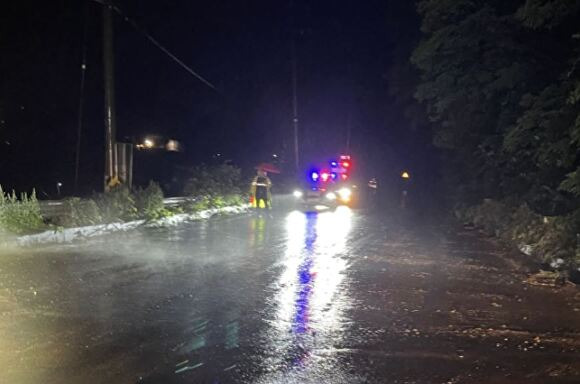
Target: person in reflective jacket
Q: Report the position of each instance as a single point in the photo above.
(260, 191)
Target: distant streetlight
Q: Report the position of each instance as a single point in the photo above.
(159, 142)
(58, 185)
(148, 143)
(405, 175)
(173, 146)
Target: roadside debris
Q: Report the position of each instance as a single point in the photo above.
(546, 279)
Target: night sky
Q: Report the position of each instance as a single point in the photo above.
(345, 51)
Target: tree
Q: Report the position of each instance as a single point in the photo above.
(545, 141)
(492, 86)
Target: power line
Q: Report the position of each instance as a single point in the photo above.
(154, 41)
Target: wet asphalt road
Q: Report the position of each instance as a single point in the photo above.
(349, 296)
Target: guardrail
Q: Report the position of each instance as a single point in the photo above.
(51, 208)
(55, 208)
(177, 201)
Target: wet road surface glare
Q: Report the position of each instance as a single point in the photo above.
(341, 296)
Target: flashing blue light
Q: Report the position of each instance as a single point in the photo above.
(333, 164)
(333, 175)
(314, 176)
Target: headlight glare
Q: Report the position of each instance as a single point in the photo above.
(345, 193)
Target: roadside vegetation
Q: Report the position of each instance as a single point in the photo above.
(19, 214)
(214, 186)
(207, 187)
(499, 87)
(552, 240)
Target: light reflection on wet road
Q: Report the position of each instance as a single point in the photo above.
(341, 296)
(310, 300)
(300, 261)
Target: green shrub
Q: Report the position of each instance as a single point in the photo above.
(554, 240)
(20, 215)
(491, 216)
(218, 202)
(117, 205)
(80, 212)
(149, 202)
(201, 203)
(174, 210)
(214, 187)
(220, 180)
(527, 227)
(558, 241)
(235, 200)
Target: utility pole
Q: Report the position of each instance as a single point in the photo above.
(111, 171)
(348, 130)
(81, 98)
(295, 108)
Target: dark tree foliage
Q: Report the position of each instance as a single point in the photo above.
(501, 84)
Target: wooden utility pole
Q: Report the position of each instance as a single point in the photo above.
(81, 97)
(111, 171)
(295, 108)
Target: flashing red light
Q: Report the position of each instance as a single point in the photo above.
(343, 176)
(324, 176)
(346, 164)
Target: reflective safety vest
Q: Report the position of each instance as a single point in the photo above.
(262, 182)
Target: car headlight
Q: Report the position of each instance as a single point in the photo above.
(344, 193)
(297, 194)
(331, 196)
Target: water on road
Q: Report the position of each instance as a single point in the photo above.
(342, 296)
